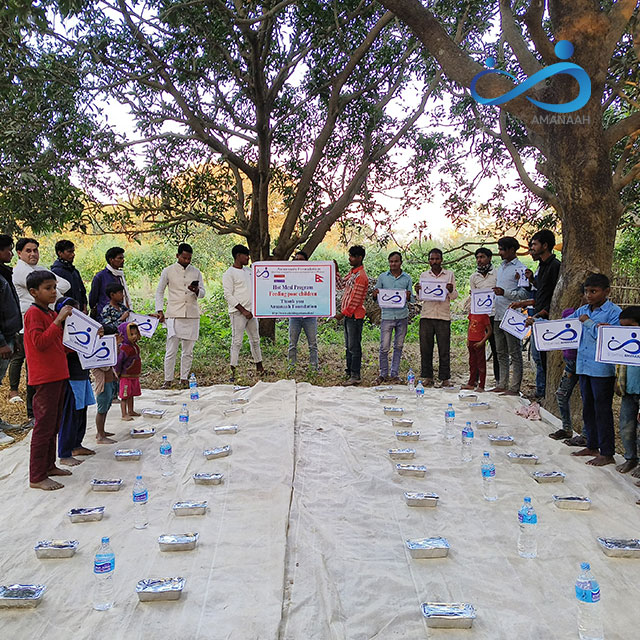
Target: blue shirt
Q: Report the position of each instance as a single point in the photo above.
(586, 364)
(401, 283)
(633, 380)
(506, 280)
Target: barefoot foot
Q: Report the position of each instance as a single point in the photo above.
(109, 434)
(601, 461)
(70, 462)
(135, 414)
(57, 471)
(636, 472)
(83, 451)
(626, 466)
(46, 485)
(127, 418)
(105, 440)
(586, 452)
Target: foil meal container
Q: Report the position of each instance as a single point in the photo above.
(21, 596)
(56, 548)
(240, 387)
(402, 454)
(160, 589)
(142, 433)
(408, 436)
(228, 412)
(217, 452)
(394, 412)
(578, 503)
(428, 548)
(165, 401)
(155, 414)
(106, 485)
(383, 387)
(388, 399)
(178, 541)
(401, 423)
(485, 424)
(190, 508)
(620, 547)
(448, 615)
(240, 401)
(89, 514)
(467, 396)
(225, 429)
(451, 389)
(414, 499)
(478, 406)
(415, 470)
(522, 458)
(501, 441)
(128, 454)
(207, 478)
(548, 476)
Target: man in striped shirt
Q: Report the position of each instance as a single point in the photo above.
(356, 285)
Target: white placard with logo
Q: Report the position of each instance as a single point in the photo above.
(554, 335)
(523, 281)
(392, 298)
(147, 325)
(80, 332)
(104, 355)
(618, 345)
(433, 290)
(482, 301)
(513, 322)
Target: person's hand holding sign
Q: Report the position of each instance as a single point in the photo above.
(449, 287)
(65, 312)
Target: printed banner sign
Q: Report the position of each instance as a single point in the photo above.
(294, 289)
(147, 325)
(105, 354)
(434, 290)
(514, 323)
(392, 298)
(552, 335)
(482, 301)
(618, 345)
(80, 333)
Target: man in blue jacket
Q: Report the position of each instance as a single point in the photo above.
(64, 267)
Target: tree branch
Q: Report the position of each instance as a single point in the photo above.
(622, 129)
(514, 38)
(619, 16)
(533, 19)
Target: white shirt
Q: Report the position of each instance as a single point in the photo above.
(20, 273)
(238, 288)
(181, 302)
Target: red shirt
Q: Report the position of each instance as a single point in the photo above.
(478, 322)
(46, 355)
(355, 291)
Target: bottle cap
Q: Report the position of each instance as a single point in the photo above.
(164, 437)
(486, 454)
(105, 539)
(527, 499)
(585, 566)
(138, 477)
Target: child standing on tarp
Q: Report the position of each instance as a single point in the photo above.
(128, 368)
(79, 396)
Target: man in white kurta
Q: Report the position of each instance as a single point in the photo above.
(238, 292)
(184, 286)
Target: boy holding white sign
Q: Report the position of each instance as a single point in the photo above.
(597, 379)
(393, 319)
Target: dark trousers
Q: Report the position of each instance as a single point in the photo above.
(353, 346)
(477, 364)
(494, 357)
(73, 426)
(15, 370)
(440, 331)
(48, 402)
(597, 413)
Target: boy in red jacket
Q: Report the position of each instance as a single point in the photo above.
(48, 374)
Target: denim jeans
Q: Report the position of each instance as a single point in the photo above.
(509, 349)
(4, 365)
(399, 327)
(629, 425)
(563, 393)
(353, 346)
(597, 413)
(310, 328)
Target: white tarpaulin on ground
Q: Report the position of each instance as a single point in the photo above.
(328, 560)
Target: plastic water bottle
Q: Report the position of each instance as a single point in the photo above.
(527, 518)
(140, 498)
(411, 381)
(466, 451)
(184, 415)
(589, 614)
(166, 463)
(449, 421)
(193, 387)
(104, 564)
(488, 478)
(419, 395)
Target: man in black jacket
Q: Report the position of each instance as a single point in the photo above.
(10, 318)
(63, 267)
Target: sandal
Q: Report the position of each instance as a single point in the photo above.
(560, 434)
(15, 400)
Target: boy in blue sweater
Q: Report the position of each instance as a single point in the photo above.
(597, 380)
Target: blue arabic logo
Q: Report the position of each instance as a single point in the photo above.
(487, 302)
(522, 324)
(103, 347)
(395, 297)
(263, 274)
(145, 325)
(632, 341)
(564, 50)
(86, 337)
(436, 291)
(572, 334)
